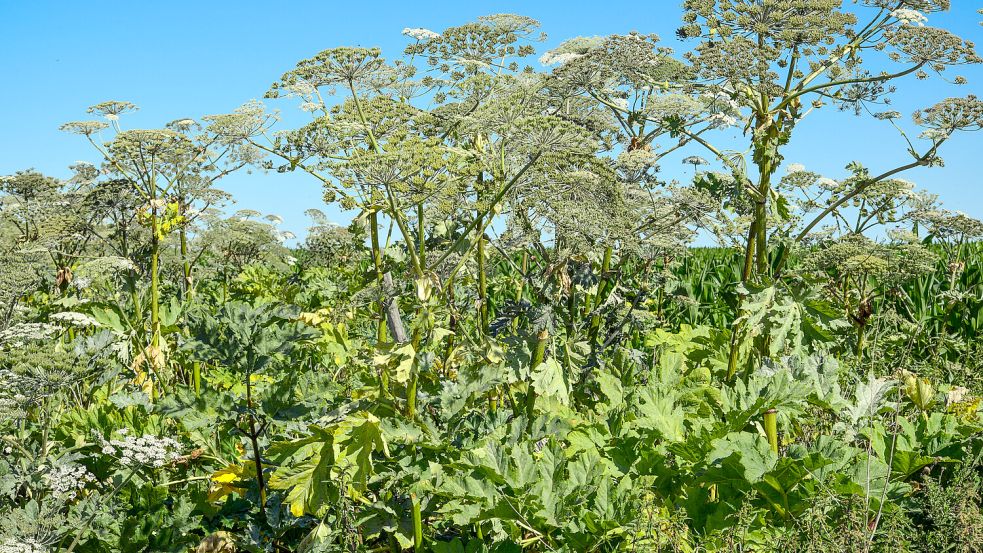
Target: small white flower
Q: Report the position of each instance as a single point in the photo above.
(184, 124)
(65, 481)
(310, 106)
(722, 120)
(695, 160)
(420, 34)
(795, 168)
(144, 450)
(73, 318)
(553, 58)
(22, 545)
(909, 16)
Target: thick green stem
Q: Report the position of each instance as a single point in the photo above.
(187, 290)
(254, 439)
(861, 341)
(538, 356)
(417, 523)
(377, 263)
(771, 428)
(482, 280)
(421, 234)
(595, 321)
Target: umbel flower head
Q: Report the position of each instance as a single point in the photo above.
(335, 66)
(112, 109)
(420, 34)
(86, 128)
(146, 450)
(952, 114)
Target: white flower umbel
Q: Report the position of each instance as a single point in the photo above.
(24, 332)
(73, 318)
(420, 34)
(66, 481)
(909, 16)
(553, 58)
(146, 450)
(795, 168)
(722, 120)
(22, 545)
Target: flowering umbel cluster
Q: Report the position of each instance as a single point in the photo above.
(143, 451)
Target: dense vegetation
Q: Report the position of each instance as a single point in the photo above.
(513, 346)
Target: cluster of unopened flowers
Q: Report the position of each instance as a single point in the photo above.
(146, 450)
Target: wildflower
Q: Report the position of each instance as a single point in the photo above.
(795, 168)
(22, 545)
(695, 160)
(66, 481)
(146, 450)
(722, 120)
(310, 106)
(72, 318)
(554, 58)
(888, 115)
(909, 16)
(421, 34)
(156, 204)
(636, 160)
(182, 124)
(23, 332)
(86, 128)
(81, 283)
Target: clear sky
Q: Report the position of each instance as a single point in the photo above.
(179, 58)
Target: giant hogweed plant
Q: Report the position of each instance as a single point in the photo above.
(169, 169)
(523, 376)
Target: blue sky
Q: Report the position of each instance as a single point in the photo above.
(186, 59)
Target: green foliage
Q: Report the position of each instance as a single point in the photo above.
(511, 347)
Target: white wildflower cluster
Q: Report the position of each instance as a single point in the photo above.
(557, 58)
(73, 318)
(909, 16)
(22, 545)
(695, 160)
(301, 88)
(147, 450)
(722, 120)
(19, 333)
(12, 396)
(420, 34)
(935, 135)
(81, 283)
(636, 160)
(620, 103)
(310, 106)
(726, 111)
(156, 204)
(67, 480)
(109, 264)
(827, 183)
(888, 115)
(795, 168)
